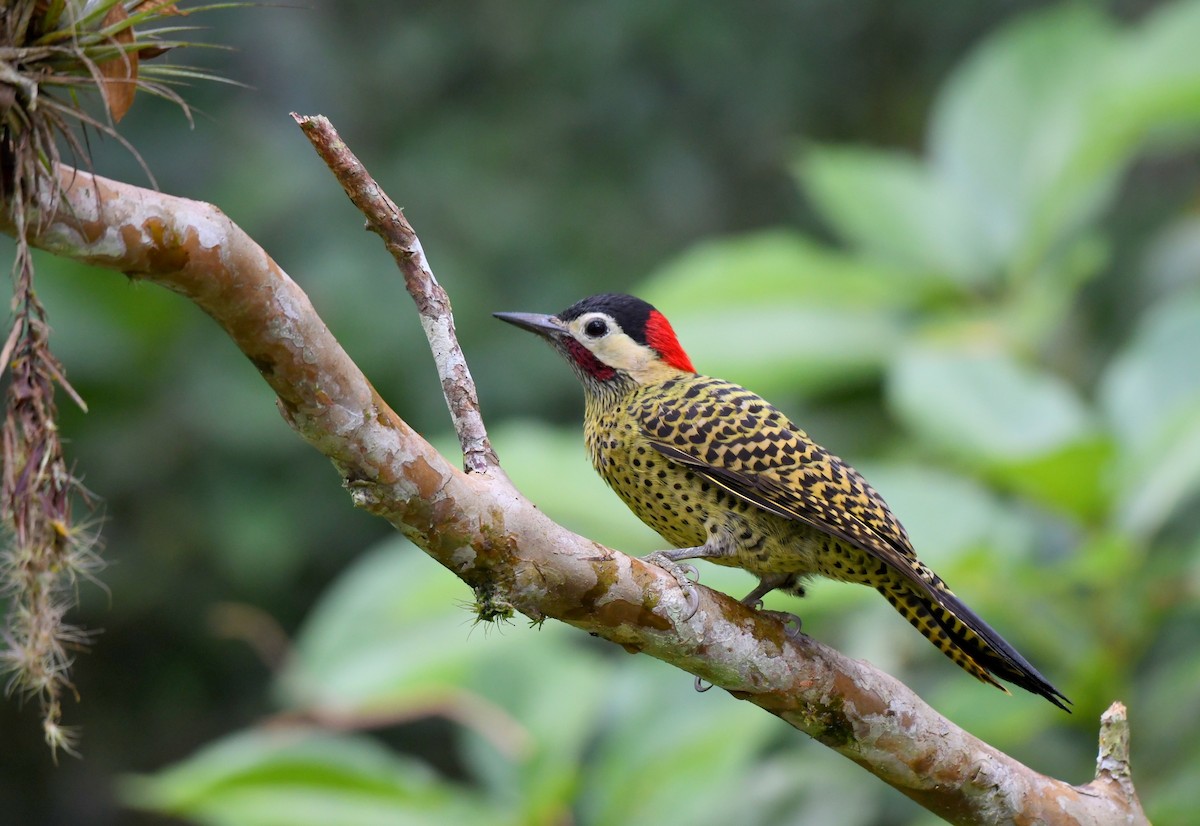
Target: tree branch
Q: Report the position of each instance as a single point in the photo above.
(387, 220)
(481, 528)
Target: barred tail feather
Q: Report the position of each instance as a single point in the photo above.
(971, 643)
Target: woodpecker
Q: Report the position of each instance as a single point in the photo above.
(722, 475)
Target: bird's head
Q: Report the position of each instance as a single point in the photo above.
(610, 339)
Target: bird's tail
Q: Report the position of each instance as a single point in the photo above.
(961, 635)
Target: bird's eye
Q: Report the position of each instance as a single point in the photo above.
(595, 328)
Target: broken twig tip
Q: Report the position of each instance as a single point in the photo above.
(1113, 758)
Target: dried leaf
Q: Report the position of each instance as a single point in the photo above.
(57, 374)
(161, 7)
(7, 351)
(120, 74)
(151, 52)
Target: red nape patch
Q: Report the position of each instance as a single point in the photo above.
(661, 337)
(585, 359)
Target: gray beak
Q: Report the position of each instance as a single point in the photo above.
(543, 325)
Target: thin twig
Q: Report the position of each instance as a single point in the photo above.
(388, 221)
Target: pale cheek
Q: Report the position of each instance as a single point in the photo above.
(606, 351)
(624, 353)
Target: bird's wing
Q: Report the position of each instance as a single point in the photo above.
(738, 441)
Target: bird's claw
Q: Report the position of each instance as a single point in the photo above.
(701, 686)
(791, 622)
(680, 572)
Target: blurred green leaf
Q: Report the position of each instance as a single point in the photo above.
(106, 330)
(558, 693)
(792, 315)
(1032, 315)
(669, 769)
(1156, 481)
(890, 206)
(984, 405)
(795, 787)
(945, 514)
(1022, 427)
(772, 266)
(393, 631)
(1150, 394)
(1011, 130)
(1073, 478)
(1154, 378)
(1172, 262)
(781, 351)
(1169, 683)
(1033, 131)
(301, 778)
(1154, 89)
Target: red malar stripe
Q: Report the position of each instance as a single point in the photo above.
(585, 359)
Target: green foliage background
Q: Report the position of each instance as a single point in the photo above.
(957, 243)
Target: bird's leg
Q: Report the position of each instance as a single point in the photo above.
(766, 585)
(669, 562)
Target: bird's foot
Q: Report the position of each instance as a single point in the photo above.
(680, 572)
(790, 621)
